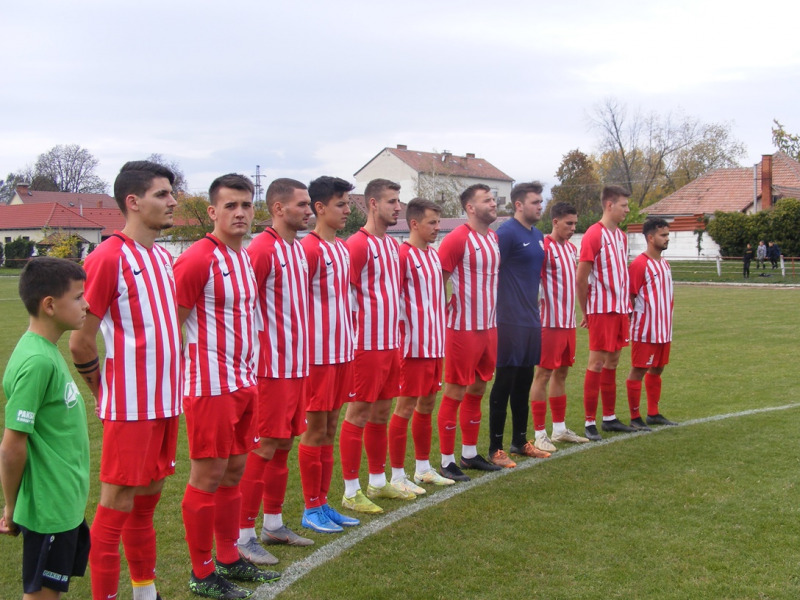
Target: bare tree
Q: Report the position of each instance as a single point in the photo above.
(436, 184)
(71, 168)
(180, 185)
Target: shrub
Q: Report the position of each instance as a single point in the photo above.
(18, 252)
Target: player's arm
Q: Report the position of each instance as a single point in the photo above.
(13, 456)
(582, 289)
(83, 346)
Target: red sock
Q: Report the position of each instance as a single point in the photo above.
(634, 397)
(446, 423)
(421, 431)
(539, 412)
(398, 438)
(227, 506)
(198, 511)
(276, 476)
(350, 444)
(558, 408)
(106, 534)
(326, 460)
(608, 391)
(470, 419)
(251, 487)
(591, 392)
(310, 474)
(375, 443)
(652, 385)
(139, 538)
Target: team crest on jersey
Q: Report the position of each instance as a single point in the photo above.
(394, 254)
(71, 394)
(168, 269)
(304, 264)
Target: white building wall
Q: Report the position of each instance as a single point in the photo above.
(387, 166)
(682, 246)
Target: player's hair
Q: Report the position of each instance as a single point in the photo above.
(322, 189)
(47, 276)
(469, 193)
(559, 210)
(415, 211)
(613, 193)
(135, 177)
(519, 191)
(375, 188)
(652, 224)
(282, 188)
(232, 181)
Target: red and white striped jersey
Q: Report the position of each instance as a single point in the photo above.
(330, 325)
(282, 321)
(131, 289)
(423, 314)
(219, 286)
(557, 296)
(651, 283)
(608, 281)
(375, 275)
(473, 261)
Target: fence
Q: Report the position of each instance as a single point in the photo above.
(730, 268)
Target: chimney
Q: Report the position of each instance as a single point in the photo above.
(470, 155)
(402, 147)
(23, 189)
(766, 181)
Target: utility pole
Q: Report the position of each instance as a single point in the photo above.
(258, 187)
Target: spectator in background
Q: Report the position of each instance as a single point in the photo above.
(749, 253)
(761, 255)
(774, 254)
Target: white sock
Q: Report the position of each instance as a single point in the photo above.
(144, 592)
(589, 423)
(351, 486)
(540, 434)
(245, 535)
(447, 459)
(273, 522)
(377, 480)
(559, 428)
(469, 451)
(611, 418)
(398, 474)
(423, 466)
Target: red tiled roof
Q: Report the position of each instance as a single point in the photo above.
(68, 199)
(729, 190)
(447, 164)
(110, 219)
(36, 216)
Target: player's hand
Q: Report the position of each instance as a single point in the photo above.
(584, 322)
(7, 525)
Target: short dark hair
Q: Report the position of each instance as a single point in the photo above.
(376, 186)
(135, 177)
(652, 224)
(232, 181)
(470, 192)
(559, 210)
(612, 192)
(416, 209)
(280, 188)
(322, 189)
(519, 191)
(47, 276)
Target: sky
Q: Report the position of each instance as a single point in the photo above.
(319, 88)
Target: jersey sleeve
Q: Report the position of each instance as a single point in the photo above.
(313, 251)
(451, 250)
(402, 258)
(590, 244)
(357, 246)
(262, 257)
(505, 242)
(636, 273)
(191, 275)
(26, 393)
(102, 274)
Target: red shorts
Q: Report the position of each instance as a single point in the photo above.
(645, 355)
(469, 354)
(420, 377)
(558, 348)
(329, 386)
(136, 453)
(281, 407)
(376, 375)
(221, 426)
(608, 332)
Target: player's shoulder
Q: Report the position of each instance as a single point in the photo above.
(359, 239)
(108, 252)
(311, 242)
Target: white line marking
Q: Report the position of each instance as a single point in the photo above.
(301, 568)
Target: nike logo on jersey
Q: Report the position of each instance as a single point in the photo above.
(139, 272)
(376, 256)
(526, 244)
(256, 439)
(283, 264)
(353, 395)
(172, 464)
(418, 266)
(328, 263)
(449, 427)
(226, 274)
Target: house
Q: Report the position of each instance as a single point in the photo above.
(25, 195)
(439, 176)
(46, 222)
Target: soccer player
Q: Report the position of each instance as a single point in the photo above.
(519, 330)
(470, 259)
(557, 304)
(217, 300)
(281, 273)
(44, 455)
(651, 326)
(330, 327)
(131, 293)
(422, 328)
(602, 287)
(375, 280)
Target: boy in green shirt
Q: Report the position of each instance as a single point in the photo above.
(44, 455)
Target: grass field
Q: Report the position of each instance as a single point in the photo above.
(707, 510)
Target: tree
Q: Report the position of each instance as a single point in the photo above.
(18, 252)
(180, 185)
(579, 185)
(436, 184)
(71, 168)
(9, 186)
(716, 148)
(191, 219)
(785, 141)
(732, 231)
(355, 221)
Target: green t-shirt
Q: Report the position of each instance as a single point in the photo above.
(44, 402)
